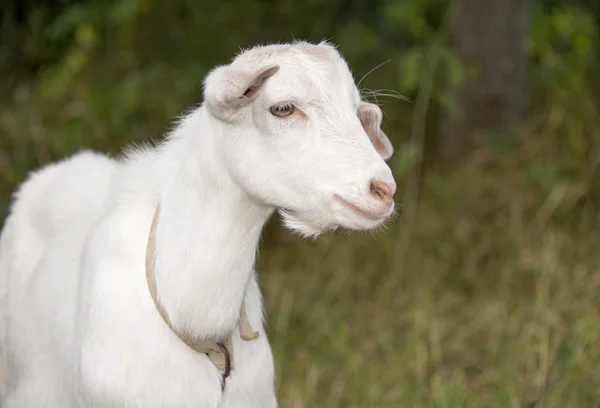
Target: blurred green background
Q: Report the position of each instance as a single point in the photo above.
(485, 291)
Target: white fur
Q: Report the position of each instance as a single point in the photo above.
(78, 325)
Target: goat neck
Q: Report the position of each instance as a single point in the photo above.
(207, 233)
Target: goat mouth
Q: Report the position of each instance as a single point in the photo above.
(357, 210)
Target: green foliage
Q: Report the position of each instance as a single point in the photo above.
(495, 302)
(564, 46)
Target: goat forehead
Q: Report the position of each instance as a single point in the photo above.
(322, 57)
(323, 75)
(320, 81)
(320, 88)
(318, 70)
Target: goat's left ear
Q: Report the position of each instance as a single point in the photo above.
(228, 89)
(370, 116)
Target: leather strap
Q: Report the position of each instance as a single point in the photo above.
(220, 354)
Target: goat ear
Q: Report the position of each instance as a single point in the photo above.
(370, 116)
(228, 89)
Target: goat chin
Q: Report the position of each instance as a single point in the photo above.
(301, 227)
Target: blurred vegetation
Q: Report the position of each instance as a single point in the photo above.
(485, 292)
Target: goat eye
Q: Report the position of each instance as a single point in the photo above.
(281, 111)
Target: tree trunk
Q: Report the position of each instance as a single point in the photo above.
(489, 36)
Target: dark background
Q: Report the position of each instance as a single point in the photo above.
(484, 292)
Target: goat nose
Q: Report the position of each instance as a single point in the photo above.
(382, 191)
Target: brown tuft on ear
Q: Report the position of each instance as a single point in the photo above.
(370, 118)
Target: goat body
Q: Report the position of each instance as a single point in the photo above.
(78, 326)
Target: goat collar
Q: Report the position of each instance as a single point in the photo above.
(220, 354)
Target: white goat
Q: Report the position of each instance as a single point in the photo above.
(282, 128)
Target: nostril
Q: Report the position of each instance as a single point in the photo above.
(377, 191)
(382, 191)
